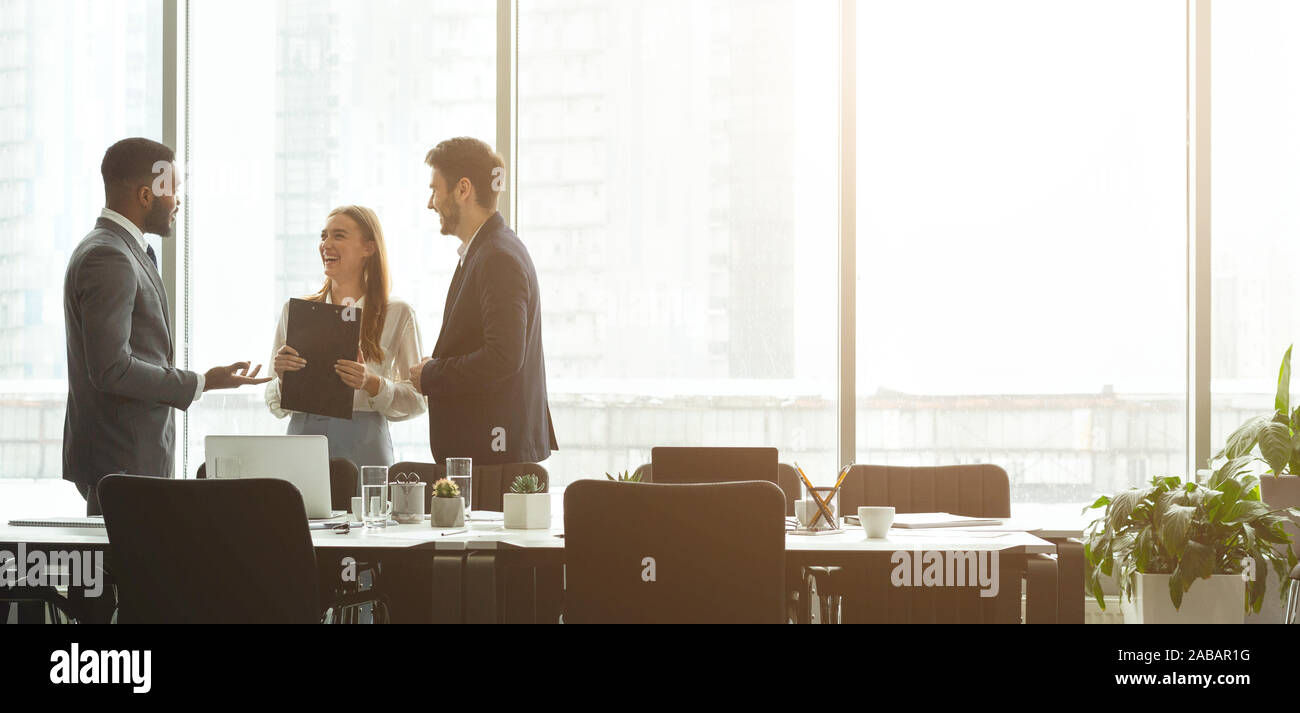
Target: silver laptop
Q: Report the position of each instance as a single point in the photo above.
(301, 460)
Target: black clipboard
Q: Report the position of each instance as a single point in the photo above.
(322, 334)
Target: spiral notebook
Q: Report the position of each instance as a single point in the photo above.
(94, 521)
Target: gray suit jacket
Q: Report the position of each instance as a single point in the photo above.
(121, 382)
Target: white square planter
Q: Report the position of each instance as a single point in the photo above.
(1278, 492)
(1221, 599)
(530, 511)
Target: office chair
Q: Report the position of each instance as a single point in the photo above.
(488, 482)
(978, 490)
(346, 600)
(1293, 597)
(543, 583)
(37, 605)
(786, 478)
(656, 553)
(210, 551)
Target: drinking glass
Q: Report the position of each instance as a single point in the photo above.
(461, 472)
(374, 496)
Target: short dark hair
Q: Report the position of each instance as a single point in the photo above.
(128, 164)
(465, 157)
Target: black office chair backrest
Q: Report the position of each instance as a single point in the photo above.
(489, 482)
(977, 490)
(713, 465)
(786, 478)
(344, 482)
(654, 553)
(209, 551)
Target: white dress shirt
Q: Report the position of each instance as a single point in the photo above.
(144, 246)
(397, 399)
(464, 248)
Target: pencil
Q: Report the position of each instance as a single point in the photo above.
(821, 504)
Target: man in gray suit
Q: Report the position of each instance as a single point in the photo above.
(122, 385)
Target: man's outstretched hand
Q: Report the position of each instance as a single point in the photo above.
(232, 377)
(415, 374)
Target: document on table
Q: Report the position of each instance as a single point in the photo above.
(949, 532)
(927, 520)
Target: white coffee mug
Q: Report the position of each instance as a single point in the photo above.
(876, 520)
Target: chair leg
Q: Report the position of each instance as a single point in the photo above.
(833, 603)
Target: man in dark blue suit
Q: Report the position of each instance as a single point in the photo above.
(486, 381)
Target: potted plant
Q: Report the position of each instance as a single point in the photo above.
(1275, 438)
(448, 508)
(625, 477)
(1159, 541)
(527, 506)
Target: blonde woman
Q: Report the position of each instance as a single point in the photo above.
(356, 268)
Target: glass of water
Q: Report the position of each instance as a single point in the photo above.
(461, 472)
(375, 507)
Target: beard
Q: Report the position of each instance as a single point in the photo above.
(450, 217)
(159, 220)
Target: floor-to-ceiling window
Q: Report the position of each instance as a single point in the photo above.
(1021, 214)
(75, 76)
(1021, 180)
(678, 191)
(1255, 111)
(324, 104)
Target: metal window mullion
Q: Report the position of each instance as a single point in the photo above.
(507, 104)
(848, 233)
(174, 259)
(1198, 235)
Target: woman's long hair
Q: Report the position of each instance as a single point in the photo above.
(374, 281)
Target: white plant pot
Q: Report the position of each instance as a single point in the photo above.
(530, 511)
(447, 512)
(1280, 492)
(1221, 599)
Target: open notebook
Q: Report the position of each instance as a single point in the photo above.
(926, 520)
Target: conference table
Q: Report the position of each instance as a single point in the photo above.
(485, 573)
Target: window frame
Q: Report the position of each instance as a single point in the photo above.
(176, 267)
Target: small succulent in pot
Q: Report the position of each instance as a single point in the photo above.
(625, 477)
(528, 484)
(527, 506)
(446, 489)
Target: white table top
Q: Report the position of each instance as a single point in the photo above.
(489, 536)
(492, 535)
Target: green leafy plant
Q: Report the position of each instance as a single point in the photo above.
(625, 477)
(1275, 437)
(1190, 531)
(527, 484)
(446, 489)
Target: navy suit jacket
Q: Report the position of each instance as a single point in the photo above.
(487, 381)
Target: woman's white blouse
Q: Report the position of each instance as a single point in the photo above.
(397, 399)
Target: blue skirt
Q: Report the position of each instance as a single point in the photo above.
(364, 440)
